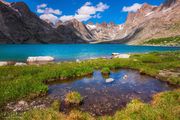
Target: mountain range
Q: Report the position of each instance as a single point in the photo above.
(18, 25)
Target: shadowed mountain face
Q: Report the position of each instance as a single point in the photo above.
(74, 31)
(19, 25)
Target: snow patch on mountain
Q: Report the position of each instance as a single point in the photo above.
(148, 14)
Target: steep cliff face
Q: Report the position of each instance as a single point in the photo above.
(74, 31)
(152, 22)
(19, 25)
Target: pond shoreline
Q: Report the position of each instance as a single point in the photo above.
(44, 101)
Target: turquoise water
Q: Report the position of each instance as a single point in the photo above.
(72, 51)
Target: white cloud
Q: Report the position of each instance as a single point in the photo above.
(52, 11)
(132, 8)
(47, 13)
(66, 17)
(82, 17)
(40, 11)
(101, 7)
(42, 6)
(49, 17)
(86, 12)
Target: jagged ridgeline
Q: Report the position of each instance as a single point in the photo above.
(21, 26)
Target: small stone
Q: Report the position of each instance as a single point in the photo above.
(23, 103)
(125, 77)
(109, 80)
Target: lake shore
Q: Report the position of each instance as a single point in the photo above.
(29, 81)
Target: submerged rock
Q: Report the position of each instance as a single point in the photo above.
(125, 77)
(109, 80)
(40, 59)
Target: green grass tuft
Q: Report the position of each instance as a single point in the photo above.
(73, 98)
(105, 71)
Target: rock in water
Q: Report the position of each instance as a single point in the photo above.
(40, 59)
(109, 80)
(125, 77)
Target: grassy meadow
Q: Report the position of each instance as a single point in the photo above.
(169, 41)
(18, 82)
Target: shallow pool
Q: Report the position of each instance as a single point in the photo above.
(102, 98)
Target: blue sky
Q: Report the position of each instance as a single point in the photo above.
(95, 11)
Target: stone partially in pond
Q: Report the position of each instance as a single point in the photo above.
(40, 59)
(109, 80)
(125, 77)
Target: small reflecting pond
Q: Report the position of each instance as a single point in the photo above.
(102, 97)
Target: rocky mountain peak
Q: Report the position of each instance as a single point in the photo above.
(21, 7)
(6, 3)
(58, 23)
(112, 24)
(145, 9)
(75, 30)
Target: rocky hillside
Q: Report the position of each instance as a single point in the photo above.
(20, 26)
(151, 22)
